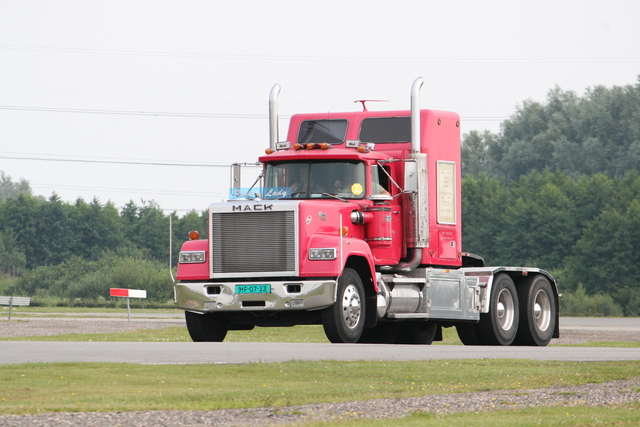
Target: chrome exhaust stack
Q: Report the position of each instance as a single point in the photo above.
(415, 114)
(274, 133)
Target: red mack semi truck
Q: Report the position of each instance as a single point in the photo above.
(355, 223)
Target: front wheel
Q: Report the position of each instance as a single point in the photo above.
(343, 322)
(205, 327)
(500, 324)
(537, 312)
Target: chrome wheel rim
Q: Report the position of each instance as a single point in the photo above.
(351, 307)
(542, 310)
(505, 309)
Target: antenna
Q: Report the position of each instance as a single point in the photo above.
(364, 107)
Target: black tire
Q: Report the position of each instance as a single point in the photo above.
(500, 325)
(469, 334)
(417, 333)
(382, 333)
(205, 327)
(537, 311)
(343, 322)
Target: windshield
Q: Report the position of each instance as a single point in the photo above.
(318, 179)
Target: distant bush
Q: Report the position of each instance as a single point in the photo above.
(80, 282)
(6, 282)
(579, 303)
(112, 302)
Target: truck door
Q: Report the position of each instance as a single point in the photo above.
(384, 229)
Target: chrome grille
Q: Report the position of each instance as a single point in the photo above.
(253, 243)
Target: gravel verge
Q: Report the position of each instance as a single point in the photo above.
(604, 394)
(41, 326)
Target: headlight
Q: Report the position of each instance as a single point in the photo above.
(317, 254)
(192, 257)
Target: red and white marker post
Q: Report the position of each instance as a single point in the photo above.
(128, 293)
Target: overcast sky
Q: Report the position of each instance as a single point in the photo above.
(91, 92)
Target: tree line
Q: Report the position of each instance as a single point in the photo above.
(578, 135)
(55, 250)
(557, 188)
(585, 232)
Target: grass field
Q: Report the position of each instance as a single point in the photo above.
(74, 387)
(33, 388)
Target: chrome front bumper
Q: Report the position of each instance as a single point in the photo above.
(205, 297)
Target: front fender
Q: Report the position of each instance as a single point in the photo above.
(345, 249)
(198, 271)
(359, 248)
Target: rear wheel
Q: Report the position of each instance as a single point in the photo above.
(382, 333)
(343, 322)
(500, 324)
(205, 327)
(417, 333)
(537, 311)
(469, 334)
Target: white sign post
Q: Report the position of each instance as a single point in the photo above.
(128, 293)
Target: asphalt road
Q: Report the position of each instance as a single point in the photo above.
(15, 352)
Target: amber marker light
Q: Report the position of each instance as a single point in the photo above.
(361, 149)
(194, 235)
(324, 145)
(268, 151)
(310, 146)
(297, 146)
(343, 231)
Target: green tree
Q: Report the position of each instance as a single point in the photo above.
(606, 257)
(9, 189)
(151, 231)
(539, 227)
(54, 231)
(12, 259)
(484, 201)
(19, 219)
(475, 152)
(598, 132)
(98, 228)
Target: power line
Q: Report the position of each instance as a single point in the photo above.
(132, 113)
(127, 190)
(205, 115)
(497, 60)
(116, 162)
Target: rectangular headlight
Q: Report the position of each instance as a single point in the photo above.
(317, 254)
(192, 257)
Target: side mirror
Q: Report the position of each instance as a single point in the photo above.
(411, 176)
(380, 197)
(236, 170)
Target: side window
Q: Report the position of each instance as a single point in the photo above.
(318, 131)
(386, 130)
(380, 180)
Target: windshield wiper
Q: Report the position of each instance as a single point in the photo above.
(335, 196)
